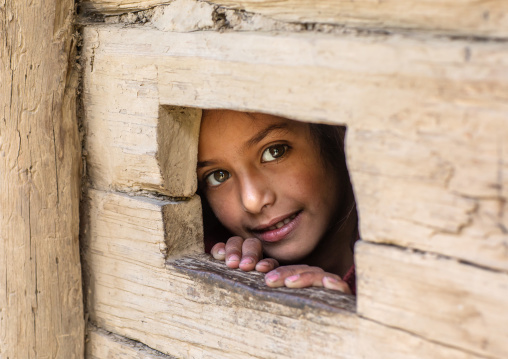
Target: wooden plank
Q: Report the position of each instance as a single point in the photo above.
(181, 309)
(435, 182)
(375, 340)
(467, 17)
(196, 307)
(177, 149)
(367, 340)
(135, 221)
(438, 298)
(41, 310)
(427, 117)
(104, 345)
(133, 144)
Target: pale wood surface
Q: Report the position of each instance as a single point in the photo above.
(487, 18)
(128, 143)
(427, 117)
(375, 340)
(131, 291)
(136, 221)
(104, 345)
(196, 307)
(449, 302)
(41, 311)
(177, 149)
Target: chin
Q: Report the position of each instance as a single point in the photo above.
(286, 256)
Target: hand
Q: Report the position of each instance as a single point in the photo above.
(248, 255)
(301, 276)
(244, 254)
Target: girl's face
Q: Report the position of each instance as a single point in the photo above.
(264, 177)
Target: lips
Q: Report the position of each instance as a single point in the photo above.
(280, 224)
(278, 230)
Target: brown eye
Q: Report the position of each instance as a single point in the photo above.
(217, 177)
(274, 152)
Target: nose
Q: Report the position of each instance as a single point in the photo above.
(256, 193)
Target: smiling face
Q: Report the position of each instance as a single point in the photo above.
(263, 177)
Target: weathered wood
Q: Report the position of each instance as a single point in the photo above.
(374, 340)
(134, 221)
(179, 308)
(41, 311)
(132, 143)
(468, 17)
(196, 307)
(435, 183)
(177, 149)
(104, 345)
(438, 298)
(427, 117)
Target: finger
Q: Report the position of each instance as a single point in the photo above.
(317, 279)
(332, 282)
(266, 265)
(219, 251)
(311, 278)
(276, 277)
(252, 252)
(234, 251)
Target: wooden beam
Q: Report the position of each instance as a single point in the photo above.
(181, 308)
(101, 344)
(375, 340)
(426, 117)
(468, 17)
(133, 143)
(41, 310)
(437, 298)
(195, 306)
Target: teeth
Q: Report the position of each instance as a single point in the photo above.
(282, 223)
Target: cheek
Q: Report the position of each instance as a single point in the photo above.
(303, 184)
(319, 189)
(224, 209)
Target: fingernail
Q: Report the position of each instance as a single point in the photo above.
(331, 279)
(233, 258)
(293, 278)
(272, 277)
(246, 261)
(221, 251)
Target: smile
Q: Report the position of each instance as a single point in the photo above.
(282, 223)
(279, 230)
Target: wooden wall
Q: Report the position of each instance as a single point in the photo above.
(423, 89)
(41, 305)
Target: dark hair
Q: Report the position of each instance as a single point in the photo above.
(330, 139)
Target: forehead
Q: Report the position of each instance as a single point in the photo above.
(228, 121)
(226, 129)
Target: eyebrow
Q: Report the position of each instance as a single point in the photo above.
(206, 164)
(258, 137)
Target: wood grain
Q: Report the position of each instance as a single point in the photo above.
(467, 17)
(133, 143)
(197, 307)
(427, 117)
(438, 298)
(102, 344)
(41, 310)
(375, 340)
(178, 308)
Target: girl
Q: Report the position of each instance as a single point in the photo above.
(282, 191)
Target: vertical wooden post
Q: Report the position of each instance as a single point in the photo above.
(41, 310)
